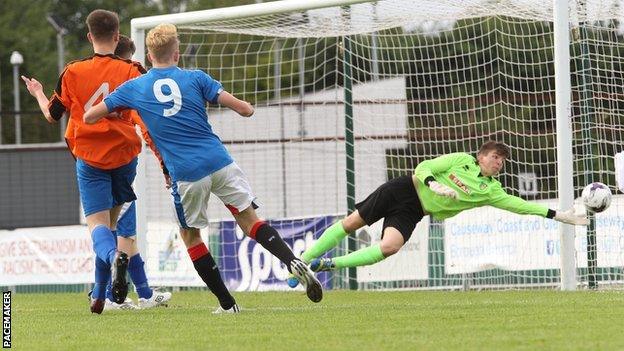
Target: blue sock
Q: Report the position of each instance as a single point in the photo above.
(137, 274)
(102, 276)
(103, 244)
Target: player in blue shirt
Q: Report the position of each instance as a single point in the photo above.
(172, 104)
(126, 231)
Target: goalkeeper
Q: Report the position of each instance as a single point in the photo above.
(441, 187)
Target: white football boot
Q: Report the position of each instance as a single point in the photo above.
(302, 272)
(233, 309)
(126, 305)
(159, 298)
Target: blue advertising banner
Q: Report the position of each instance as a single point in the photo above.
(247, 266)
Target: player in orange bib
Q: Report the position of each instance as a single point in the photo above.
(105, 152)
(126, 226)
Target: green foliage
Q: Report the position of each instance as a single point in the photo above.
(26, 30)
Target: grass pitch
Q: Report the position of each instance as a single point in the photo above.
(344, 320)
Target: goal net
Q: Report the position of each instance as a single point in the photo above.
(353, 94)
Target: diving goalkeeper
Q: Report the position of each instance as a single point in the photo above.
(441, 187)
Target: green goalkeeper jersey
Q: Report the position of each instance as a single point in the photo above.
(461, 172)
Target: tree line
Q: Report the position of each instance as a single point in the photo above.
(27, 31)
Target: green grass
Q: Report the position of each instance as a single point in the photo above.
(344, 320)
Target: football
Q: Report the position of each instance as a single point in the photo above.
(596, 197)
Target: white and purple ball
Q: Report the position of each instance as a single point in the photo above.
(596, 197)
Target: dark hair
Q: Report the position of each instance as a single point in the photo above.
(125, 47)
(103, 24)
(500, 148)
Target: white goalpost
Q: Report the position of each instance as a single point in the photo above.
(349, 94)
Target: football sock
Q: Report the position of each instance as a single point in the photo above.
(331, 237)
(209, 272)
(104, 244)
(102, 277)
(268, 237)
(361, 257)
(136, 269)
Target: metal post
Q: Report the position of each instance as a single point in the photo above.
(140, 186)
(277, 97)
(60, 32)
(563, 93)
(16, 61)
(16, 105)
(350, 150)
(301, 61)
(374, 45)
(0, 108)
(587, 116)
(61, 52)
(61, 65)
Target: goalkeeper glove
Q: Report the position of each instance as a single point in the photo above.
(570, 217)
(442, 189)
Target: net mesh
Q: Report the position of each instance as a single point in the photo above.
(428, 78)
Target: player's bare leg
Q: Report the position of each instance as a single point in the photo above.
(391, 242)
(114, 216)
(127, 245)
(353, 222)
(97, 219)
(190, 237)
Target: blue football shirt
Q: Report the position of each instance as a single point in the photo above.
(172, 104)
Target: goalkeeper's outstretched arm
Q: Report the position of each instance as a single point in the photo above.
(570, 217)
(520, 206)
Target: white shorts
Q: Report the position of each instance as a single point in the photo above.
(190, 199)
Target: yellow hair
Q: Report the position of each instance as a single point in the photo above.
(162, 41)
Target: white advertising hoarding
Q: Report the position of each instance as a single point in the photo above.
(168, 263)
(410, 263)
(486, 238)
(51, 255)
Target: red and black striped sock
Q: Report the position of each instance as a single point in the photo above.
(209, 272)
(270, 239)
